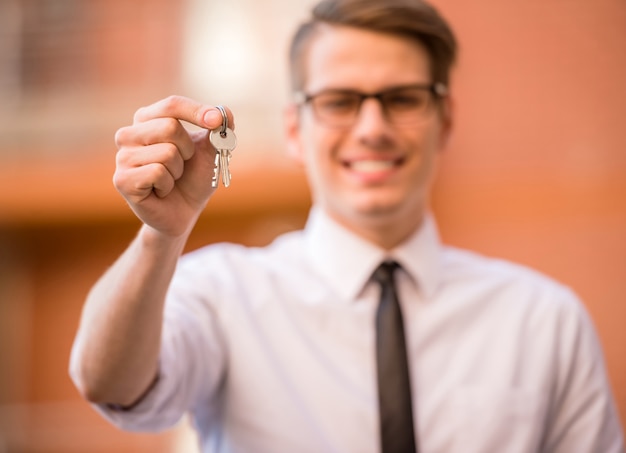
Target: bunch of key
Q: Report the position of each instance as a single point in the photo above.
(224, 141)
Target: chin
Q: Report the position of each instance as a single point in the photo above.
(390, 207)
(379, 202)
(380, 212)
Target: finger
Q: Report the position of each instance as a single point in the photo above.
(138, 183)
(185, 109)
(158, 130)
(214, 119)
(166, 154)
(163, 183)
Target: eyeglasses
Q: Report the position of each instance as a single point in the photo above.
(409, 105)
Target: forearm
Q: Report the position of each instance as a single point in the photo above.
(161, 171)
(116, 350)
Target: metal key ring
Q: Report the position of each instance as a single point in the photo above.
(224, 120)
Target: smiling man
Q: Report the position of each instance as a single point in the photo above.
(361, 333)
(369, 126)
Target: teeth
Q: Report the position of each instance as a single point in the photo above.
(372, 165)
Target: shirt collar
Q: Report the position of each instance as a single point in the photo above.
(347, 261)
(421, 256)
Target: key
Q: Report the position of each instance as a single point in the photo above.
(224, 141)
(224, 161)
(216, 170)
(223, 144)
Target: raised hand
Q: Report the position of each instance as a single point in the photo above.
(163, 170)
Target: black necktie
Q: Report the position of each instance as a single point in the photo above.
(394, 385)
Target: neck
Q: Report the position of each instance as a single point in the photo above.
(385, 233)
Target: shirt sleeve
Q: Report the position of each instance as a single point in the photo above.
(191, 363)
(584, 415)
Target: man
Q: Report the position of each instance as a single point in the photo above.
(282, 349)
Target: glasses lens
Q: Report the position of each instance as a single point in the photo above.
(407, 105)
(336, 107)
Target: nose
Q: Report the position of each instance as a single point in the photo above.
(372, 120)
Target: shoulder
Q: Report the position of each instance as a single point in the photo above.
(227, 278)
(223, 262)
(503, 281)
(514, 301)
(463, 265)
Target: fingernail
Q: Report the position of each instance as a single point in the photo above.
(212, 118)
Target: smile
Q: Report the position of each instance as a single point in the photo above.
(372, 166)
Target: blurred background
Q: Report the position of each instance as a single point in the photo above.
(536, 171)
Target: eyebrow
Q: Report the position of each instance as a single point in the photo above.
(383, 90)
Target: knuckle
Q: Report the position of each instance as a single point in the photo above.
(170, 127)
(160, 176)
(172, 101)
(140, 115)
(170, 152)
(121, 159)
(160, 172)
(173, 160)
(122, 136)
(119, 181)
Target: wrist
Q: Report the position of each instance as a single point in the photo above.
(153, 238)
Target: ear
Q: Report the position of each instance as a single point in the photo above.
(447, 121)
(291, 116)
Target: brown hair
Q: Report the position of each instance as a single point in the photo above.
(414, 19)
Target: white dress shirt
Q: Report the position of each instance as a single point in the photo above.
(272, 350)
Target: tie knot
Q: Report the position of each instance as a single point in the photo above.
(384, 273)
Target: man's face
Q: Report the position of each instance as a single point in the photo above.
(372, 175)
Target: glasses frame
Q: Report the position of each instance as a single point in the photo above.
(438, 90)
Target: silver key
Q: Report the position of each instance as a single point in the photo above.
(216, 170)
(224, 161)
(223, 144)
(224, 141)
